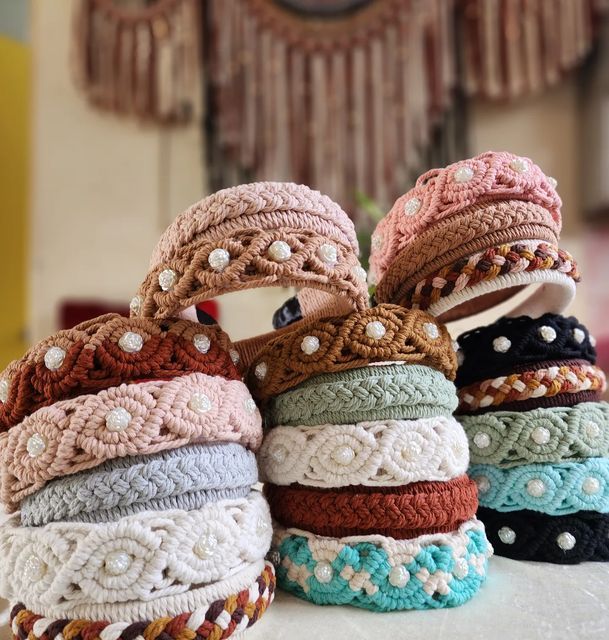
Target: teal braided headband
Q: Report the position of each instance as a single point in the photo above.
(510, 438)
(385, 392)
(555, 489)
(383, 574)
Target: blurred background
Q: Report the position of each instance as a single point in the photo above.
(117, 114)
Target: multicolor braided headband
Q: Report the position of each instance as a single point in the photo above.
(555, 489)
(186, 478)
(382, 574)
(82, 433)
(106, 352)
(401, 512)
(385, 392)
(510, 438)
(526, 535)
(220, 616)
(512, 342)
(379, 453)
(386, 333)
(65, 568)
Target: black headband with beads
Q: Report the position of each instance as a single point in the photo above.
(494, 350)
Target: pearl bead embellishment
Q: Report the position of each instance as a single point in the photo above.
(36, 445)
(375, 330)
(464, 174)
(540, 435)
(167, 278)
(250, 405)
(431, 329)
(202, 342)
(34, 568)
(376, 241)
(591, 486)
(218, 259)
(260, 370)
(399, 576)
(579, 335)
(323, 572)
(484, 484)
(205, 546)
(53, 358)
(118, 419)
(343, 455)
(507, 535)
(520, 165)
(360, 273)
(135, 305)
(412, 206)
(309, 345)
(553, 182)
(592, 430)
(3, 390)
(502, 344)
(131, 342)
(547, 333)
(565, 541)
(461, 569)
(280, 251)
(199, 403)
(279, 453)
(234, 356)
(117, 563)
(482, 440)
(536, 487)
(327, 253)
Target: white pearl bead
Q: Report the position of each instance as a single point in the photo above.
(464, 174)
(579, 335)
(412, 206)
(376, 241)
(218, 259)
(410, 452)
(3, 390)
(327, 253)
(323, 572)
(536, 487)
(118, 419)
(167, 278)
(261, 526)
(206, 546)
(547, 333)
(260, 370)
(280, 251)
(484, 484)
(135, 305)
(502, 344)
(202, 342)
(591, 486)
(53, 358)
(375, 330)
(360, 273)
(592, 430)
(250, 405)
(309, 345)
(131, 342)
(34, 568)
(431, 329)
(520, 165)
(199, 402)
(553, 182)
(399, 576)
(117, 562)
(482, 440)
(540, 435)
(234, 356)
(565, 541)
(461, 568)
(507, 535)
(343, 455)
(36, 445)
(279, 453)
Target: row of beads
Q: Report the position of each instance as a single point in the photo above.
(564, 540)
(502, 344)
(536, 487)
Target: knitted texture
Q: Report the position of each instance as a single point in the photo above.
(510, 342)
(78, 434)
(185, 478)
(213, 620)
(386, 333)
(526, 535)
(555, 489)
(64, 567)
(380, 453)
(390, 392)
(382, 574)
(400, 512)
(510, 438)
(92, 356)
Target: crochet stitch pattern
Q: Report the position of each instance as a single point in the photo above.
(526, 535)
(91, 358)
(215, 620)
(387, 333)
(76, 435)
(510, 438)
(377, 453)
(185, 478)
(381, 574)
(387, 392)
(161, 554)
(555, 489)
(401, 512)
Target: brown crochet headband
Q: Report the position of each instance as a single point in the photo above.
(415, 509)
(106, 352)
(385, 333)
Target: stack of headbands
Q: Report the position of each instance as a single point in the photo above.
(128, 446)
(365, 465)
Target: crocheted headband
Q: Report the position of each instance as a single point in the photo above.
(387, 333)
(382, 453)
(106, 352)
(494, 350)
(256, 235)
(381, 574)
(463, 237)
(129, 420)
(185, 478)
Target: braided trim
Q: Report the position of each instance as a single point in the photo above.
(94, 360)
(548, 402)
(379, 453)
(389, 392)
(65, 567)
(526, 535)
(401, 512)
(185, 479)
(570, 377)
(556, 489)
(382, 574)
(541, 435)
(411, 337)
(213, 619)
(74, 434)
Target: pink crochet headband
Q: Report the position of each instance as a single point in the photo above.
(256, 235)
(471, 235)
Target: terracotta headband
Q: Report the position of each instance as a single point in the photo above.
(471, 235)
(256, 235)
